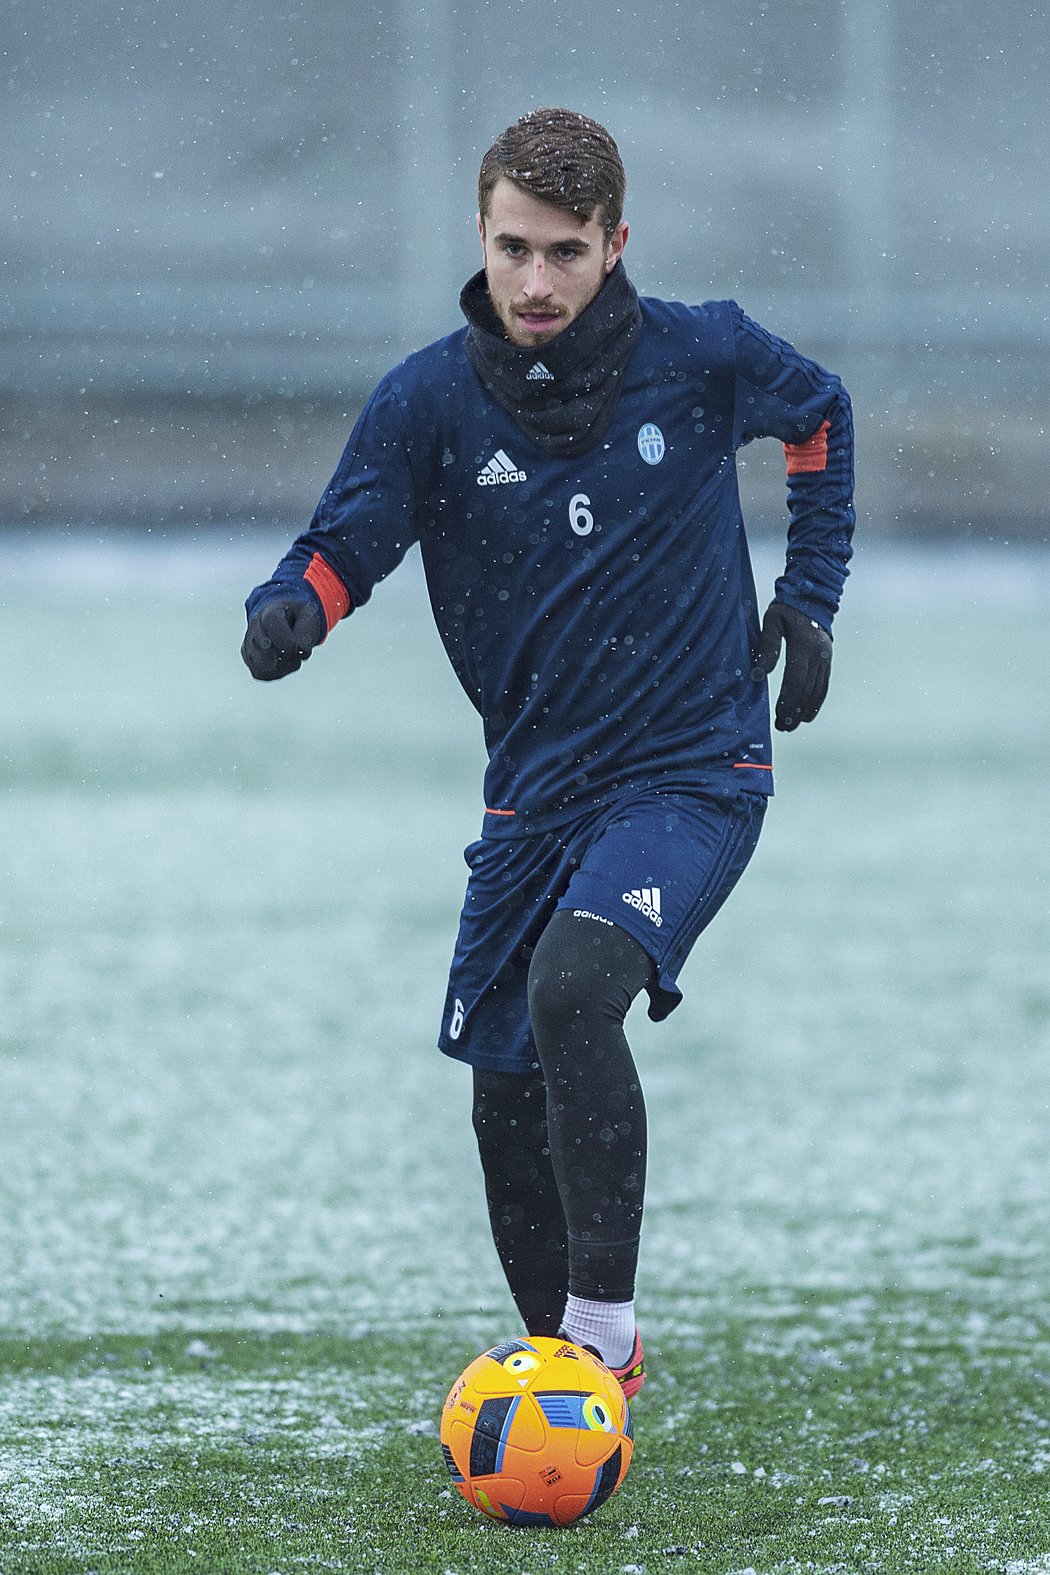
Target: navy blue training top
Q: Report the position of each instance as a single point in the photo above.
(599, 610)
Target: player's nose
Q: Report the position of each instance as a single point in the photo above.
(538, 287)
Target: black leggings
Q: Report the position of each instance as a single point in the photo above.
(563, 1147)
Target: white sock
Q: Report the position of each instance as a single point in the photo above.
(608, 1326)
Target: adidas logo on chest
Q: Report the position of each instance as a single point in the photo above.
(647, 902)
(499, 471)
(539, 374)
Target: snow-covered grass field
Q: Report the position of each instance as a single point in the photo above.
(242, 1244)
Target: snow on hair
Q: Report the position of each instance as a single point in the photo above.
(560, 157)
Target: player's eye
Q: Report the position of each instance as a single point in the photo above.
(597, 1415)
(521, 1362)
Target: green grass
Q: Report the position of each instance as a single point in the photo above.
(242, 1243)
(876, 1433)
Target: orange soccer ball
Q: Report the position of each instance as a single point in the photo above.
(537, 1432)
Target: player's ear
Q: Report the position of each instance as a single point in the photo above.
(615, 245)
(481, 229)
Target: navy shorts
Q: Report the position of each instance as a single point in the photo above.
(657, 864)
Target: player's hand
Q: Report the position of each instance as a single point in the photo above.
(807, 663)
(281, 635)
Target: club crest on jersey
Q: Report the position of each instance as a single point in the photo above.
(499, 471)
(651, 445)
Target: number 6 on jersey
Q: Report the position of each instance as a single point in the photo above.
(580, 517)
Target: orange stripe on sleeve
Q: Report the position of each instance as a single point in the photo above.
(812, 455)
(330, 588)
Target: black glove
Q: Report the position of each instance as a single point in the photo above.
(281, 635)
(807, 664)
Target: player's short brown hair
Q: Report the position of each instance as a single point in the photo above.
(560, 157)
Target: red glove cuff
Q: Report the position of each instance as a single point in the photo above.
(333, 593)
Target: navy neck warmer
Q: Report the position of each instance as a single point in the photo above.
(563, 394)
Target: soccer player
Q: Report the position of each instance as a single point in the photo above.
(566, 463)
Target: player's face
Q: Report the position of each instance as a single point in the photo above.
(543, 265)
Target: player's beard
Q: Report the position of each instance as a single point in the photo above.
(519, 333)
(510, 315)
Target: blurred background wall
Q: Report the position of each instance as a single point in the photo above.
(221, 223)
